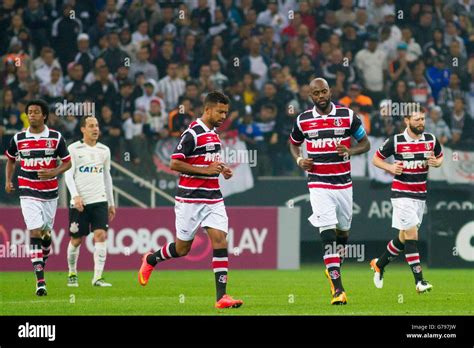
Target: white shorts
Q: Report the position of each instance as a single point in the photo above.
(407, 213)
(38, 214)
(331, 207)
(189, 216)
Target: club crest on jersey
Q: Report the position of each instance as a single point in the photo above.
(427, 146)
(337, 122)
(49, 144)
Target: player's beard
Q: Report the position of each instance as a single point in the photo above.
(417, 130)
(322, 105)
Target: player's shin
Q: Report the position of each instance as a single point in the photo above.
(331, 258)
(168, 251)
(36, 254)
(394, 248)
(220, 264)
(72, 257)
(100, 255)
(46, 245)
(413, 258)
(341, 242)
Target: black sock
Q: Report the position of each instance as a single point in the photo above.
(331, 258)
(341, 242)
(37, 259)
(394, 247)
(167, 252)
(413, 258)
(220, 265)
(46, 246)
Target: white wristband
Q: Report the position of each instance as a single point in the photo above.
(298, 160)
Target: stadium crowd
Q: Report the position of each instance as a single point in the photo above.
(146, 66)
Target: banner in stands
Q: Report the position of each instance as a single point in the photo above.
(234, 153)
(458, 167)
(450, 239)
(253, 241)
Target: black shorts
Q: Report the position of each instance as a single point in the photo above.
(95, 216)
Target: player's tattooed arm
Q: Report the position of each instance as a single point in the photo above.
(9, 170)
(186, 168)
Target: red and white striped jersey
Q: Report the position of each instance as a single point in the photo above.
(198, 146)
(35, 152)
(322, 133)
(413, 154)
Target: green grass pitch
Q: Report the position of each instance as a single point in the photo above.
(265, 292)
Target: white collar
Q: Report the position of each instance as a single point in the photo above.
(332, 112)
(203, 125)
(44, 133)
(410, 139)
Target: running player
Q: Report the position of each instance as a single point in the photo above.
(92, 203)
(414, 151)
(37, 148)
(199, 200)
(327, 130)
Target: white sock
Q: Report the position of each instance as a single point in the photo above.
(100, 254)
(72, 256)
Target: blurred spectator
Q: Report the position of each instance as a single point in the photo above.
(461, 124)
(365, 104)
(436, 47)
(413, 48)
(203, 15)
(219, 80)
(449, 93)
(115, 20)
(148, 11)
(103, 89)
(113, 55)
(302, 101)
(345, 14)
(64, 34)
(451, 35)
(308, 19)
(256, 63)
(140, 36)
(399, 69)
(438, 76)
(419, 87)
(111, 130)
(250, 93)
(400, 93)
(98, 30)
(165, 57)
(372, 63)
(171, 87)
(84, 55)
(76, 90)
(142, 64)
(156, 124)
(125, 104)
(180, 118)
(437, 126)
(150, 89)
(423, 29)
(53, 91)
(249, 132)
(43, 72)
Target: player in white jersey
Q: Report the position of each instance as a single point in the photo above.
(92, 205)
